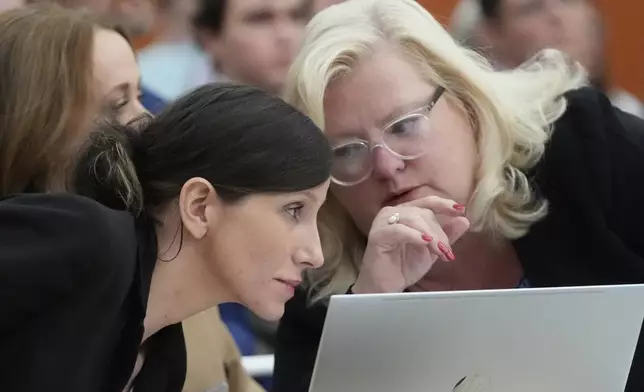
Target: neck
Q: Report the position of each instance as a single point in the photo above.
(174, 29)
(180, 288)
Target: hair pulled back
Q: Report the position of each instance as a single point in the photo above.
(239, 138)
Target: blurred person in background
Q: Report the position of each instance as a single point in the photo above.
(9, 4)
(449, 174)
(467, 28)
(137, 19)
(173, 63)
(252, 41)
(319, 5)
(59, 71)
(517, 29)
(136, 16)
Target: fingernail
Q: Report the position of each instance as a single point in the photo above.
(446, 251)
(459, 207)
(427, 238)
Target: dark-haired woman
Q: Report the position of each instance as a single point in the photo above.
(215, 201)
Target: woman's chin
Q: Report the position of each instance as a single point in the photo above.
(269, 311)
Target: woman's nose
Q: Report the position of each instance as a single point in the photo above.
(385, 163)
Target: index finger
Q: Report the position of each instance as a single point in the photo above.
(438, 205)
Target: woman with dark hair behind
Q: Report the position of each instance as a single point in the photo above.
(214, 201)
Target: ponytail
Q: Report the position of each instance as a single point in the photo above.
(107, 167)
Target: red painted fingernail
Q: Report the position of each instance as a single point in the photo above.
(427, 238)
(459, 207)
(446, 251)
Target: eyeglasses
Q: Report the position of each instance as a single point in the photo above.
(404, 137)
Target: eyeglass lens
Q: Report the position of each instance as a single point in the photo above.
(404, 138)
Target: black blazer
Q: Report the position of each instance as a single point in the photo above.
(593, 176)
(74, 283)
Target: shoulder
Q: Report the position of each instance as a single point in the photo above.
(595, 137)
(594, 161)
(591, 175)
(61, 236)
(627, 102)
(62, 216)
(591, 113)
(53, 247)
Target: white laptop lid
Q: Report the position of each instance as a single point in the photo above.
(520, 340)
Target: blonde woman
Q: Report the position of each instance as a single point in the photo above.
(448, 175)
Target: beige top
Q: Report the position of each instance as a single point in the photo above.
(213, 357)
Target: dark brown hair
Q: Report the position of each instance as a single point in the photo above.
(46, 100)
(242, 140)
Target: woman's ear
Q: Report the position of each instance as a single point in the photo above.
(199, 206)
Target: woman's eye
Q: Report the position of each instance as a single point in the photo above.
(295, 211)
(405, 127)
(118, 105)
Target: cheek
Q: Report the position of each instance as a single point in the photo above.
(253, 255)
(258, 261)
(249, 256)
(451, 160)
(361, 202)
(536, 34)
(249, 43)
(249, 59)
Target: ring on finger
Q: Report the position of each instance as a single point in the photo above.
(395, 218)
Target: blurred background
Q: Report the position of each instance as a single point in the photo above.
(624, 36)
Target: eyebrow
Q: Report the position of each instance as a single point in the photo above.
(313, 197)
(124, 87)
(394, 114)
(401, 110)
(310, 195)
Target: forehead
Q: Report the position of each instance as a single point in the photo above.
(114, 60)
(241, 8)
(380, 88)
(10, 4)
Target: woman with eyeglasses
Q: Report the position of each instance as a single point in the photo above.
(448, 175)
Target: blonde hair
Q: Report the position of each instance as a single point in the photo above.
(512, 112)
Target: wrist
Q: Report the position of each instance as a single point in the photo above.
(363, 287)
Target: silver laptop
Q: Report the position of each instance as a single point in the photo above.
(520, 340)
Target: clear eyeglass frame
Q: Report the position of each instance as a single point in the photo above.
(423, 112)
